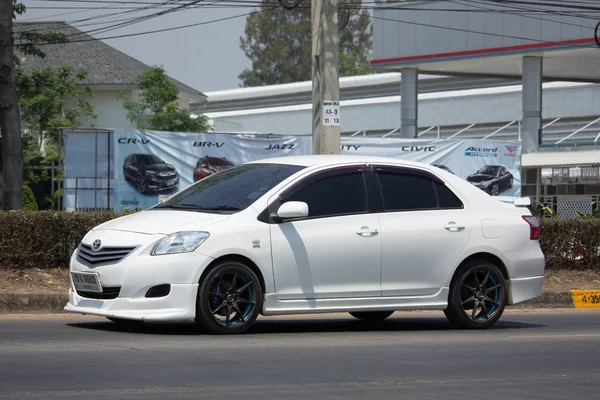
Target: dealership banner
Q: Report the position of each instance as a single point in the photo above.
(492, 166)
(150, 166)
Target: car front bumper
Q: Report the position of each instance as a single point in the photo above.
(132, 278)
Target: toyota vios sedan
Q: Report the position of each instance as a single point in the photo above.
(313, 234)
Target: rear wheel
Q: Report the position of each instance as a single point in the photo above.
(478, 296)
(229, 299)
(371, 315)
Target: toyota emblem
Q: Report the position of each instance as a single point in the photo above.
(96, 245)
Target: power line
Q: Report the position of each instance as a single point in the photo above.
(153, 31)
(477, 32)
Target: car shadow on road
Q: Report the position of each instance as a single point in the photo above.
(279, 325)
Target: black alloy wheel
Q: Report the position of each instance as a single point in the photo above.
(371, 315)
(478, 296)
(229, 299)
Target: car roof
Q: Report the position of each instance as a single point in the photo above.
(333, 159)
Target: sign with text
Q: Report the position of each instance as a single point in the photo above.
(149, 166)
(331, 113)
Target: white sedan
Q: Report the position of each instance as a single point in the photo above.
(313, 234)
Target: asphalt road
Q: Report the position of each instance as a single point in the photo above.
(528, 355)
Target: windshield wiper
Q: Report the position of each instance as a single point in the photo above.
(220, 208)
(180, 206)
(195, 207)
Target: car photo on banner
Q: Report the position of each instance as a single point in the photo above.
(492, 179)
(208, 165)
(149, 174)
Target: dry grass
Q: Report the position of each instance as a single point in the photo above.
(57, 280)
(34, 280)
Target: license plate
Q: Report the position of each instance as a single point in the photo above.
(87, 282)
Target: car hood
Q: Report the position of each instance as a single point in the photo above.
(160, 168)
(162, 221)
(480, 178)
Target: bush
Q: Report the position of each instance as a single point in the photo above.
(29, 202)
(46, 239)
(571, 244)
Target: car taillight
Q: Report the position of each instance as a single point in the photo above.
(534, 227)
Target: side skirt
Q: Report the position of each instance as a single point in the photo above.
(274, 306)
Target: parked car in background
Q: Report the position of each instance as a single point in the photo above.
(443, 167)
(208, 165)
(313, 234)
(149, 173)
(492, 179)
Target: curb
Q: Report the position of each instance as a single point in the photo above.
(53, 302)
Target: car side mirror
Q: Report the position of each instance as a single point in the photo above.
(292, 210)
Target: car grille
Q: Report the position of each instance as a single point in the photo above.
(108, 293)
(104, 256)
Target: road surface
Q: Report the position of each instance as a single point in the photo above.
(528, 355)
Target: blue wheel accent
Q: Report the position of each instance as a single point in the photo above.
(221, 307)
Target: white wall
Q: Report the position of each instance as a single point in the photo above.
(109, 110)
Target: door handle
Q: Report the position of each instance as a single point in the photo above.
(453, 227)
(365, 231)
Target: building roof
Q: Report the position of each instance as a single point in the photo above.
(561, 158)
(105, 64)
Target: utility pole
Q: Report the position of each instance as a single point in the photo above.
(325, 82)
(11, 178)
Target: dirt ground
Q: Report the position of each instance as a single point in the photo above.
(57, 280)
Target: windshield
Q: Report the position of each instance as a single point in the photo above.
(149, 159)
(489, 170)
(230, 190)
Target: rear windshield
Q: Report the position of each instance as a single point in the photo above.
(230, 190)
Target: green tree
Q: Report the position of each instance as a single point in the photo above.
(279, 44)
(157, 107)
(50, 98)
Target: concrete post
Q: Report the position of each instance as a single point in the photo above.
(409, 109)
(532, 103)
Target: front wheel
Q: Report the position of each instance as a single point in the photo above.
(229, 299)
(495, 190)
(478, 296)
(371, 315)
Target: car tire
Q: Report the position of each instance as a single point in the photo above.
(141, 185)
(229, 299)
(495, 189)
(371, 315)
(510, 185)
(478, 296)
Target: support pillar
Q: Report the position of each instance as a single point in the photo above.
(409, 109)
(532, 103)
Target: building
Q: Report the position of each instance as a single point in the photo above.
(449, 108)
(108, 71)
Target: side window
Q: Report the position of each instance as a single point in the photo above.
(405, 192)
(334, 195)
(447, 199)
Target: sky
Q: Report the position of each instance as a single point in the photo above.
(206, 57)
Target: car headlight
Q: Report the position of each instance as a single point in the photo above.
(180, 242)
(151, 174)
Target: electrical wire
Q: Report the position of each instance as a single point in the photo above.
(151, 32)
(263, 5)
(478, 32)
